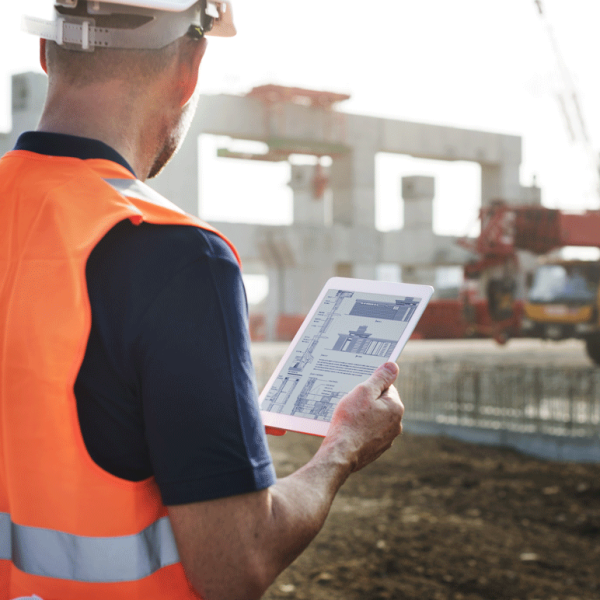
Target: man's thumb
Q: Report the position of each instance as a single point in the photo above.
(384, 376)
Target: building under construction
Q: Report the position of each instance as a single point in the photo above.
(321, 243)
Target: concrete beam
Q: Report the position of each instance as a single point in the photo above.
(248, 118)
(448, 143)
(352, 174)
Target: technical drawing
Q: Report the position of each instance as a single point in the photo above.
(308, 355)
(317, 402)
(401, 310)
(361, 342)
(321, 370)
(279, 396)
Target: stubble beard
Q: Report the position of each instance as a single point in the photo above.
(168, 150)
(174, 139)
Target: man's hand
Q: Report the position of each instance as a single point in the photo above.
(233, 548)
(368, 419)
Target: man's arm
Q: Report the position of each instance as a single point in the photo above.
(234, 548)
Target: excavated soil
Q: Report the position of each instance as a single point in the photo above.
(438, 519)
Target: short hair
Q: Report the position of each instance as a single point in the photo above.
(80, 68)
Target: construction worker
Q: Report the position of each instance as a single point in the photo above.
(133, 462)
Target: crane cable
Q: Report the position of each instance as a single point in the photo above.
(570, 93)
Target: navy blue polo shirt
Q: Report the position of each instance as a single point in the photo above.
(167, 386)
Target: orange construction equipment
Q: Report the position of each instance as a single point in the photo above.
(563, 296)
(563, 299)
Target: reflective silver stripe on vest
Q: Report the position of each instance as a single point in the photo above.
(134, 188)
(5, 543)
(60, 555)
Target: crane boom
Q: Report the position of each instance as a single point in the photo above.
(569, 102)
(505, 229)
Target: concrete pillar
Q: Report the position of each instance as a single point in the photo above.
(364, 271)
(278, 256)
(310, 268)
(273, 301)
(302, 286)
(341, 188)
(343, 269)
(308, 210)
(292, 292)
(418, 192)
(28, 97)
(531, 196)
(299, 262)
(357, 270)
(500, 182)
(353, 187)
(420, 275)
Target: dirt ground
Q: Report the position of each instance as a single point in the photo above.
(438, 519)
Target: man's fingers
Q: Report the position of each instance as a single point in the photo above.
(383, 377)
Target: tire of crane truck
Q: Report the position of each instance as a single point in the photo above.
(502, 337)
(592, 346)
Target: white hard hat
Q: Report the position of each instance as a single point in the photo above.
(160, 23)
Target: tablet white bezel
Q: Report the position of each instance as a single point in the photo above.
(320, 428)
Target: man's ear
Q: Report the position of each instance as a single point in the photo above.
(190, 67)
(43, 55)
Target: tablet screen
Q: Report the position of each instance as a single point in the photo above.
(349, 336)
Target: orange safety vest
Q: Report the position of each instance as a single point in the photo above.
(68, 529)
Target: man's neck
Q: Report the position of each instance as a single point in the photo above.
(105, 113)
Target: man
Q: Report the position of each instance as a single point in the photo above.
(133, 462)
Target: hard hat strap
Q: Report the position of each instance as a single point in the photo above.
(75, 32)
(82, 32)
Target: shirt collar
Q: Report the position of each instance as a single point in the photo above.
(60, 144)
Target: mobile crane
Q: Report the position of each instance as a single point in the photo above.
(562, 298)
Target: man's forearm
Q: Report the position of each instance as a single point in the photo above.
(233, 548)
(253, 537)
(299, 505)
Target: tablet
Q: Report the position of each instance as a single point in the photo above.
(354, 326)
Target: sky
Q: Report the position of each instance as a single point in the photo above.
(476, 64)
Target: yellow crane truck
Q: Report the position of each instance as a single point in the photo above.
(563, 296)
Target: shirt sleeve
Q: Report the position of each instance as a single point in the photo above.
(200, 404)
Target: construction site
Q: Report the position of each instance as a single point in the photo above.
(493, 492)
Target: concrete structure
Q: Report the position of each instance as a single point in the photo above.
(299, 259)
